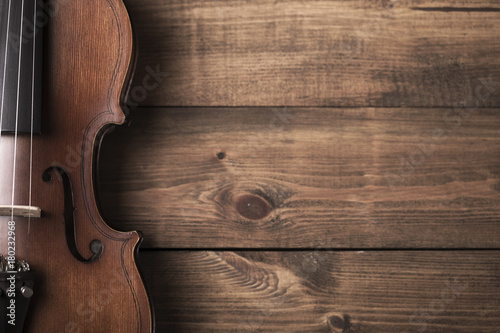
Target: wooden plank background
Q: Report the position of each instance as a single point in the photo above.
(313, 166)
(363, 291)
(384, 53)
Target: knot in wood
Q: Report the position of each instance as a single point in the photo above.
(252, 207)
(339, 324)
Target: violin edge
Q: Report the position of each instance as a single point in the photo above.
(117, 107)
(121, 105)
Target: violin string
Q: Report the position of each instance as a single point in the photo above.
(5, 67)
(17, 109)
(31, 131)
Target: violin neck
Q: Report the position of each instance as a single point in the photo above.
(21, 23)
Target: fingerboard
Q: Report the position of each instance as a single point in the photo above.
(21, 25)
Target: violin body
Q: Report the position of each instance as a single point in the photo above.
(86, 279)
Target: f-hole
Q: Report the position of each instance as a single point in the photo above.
(96, 246)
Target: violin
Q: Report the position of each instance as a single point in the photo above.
(64, 65)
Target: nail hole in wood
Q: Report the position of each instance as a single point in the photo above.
(221, 155)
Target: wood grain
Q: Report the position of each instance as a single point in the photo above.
(322, 291)
(305, 178)
(366, 155)
(385, 53)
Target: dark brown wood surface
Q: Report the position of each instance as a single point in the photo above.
(306, 178)
(261, 132)
(317, 53)
(362, 291)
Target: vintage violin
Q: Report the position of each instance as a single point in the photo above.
(64, 65)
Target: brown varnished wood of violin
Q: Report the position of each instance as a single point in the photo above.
(64, 65)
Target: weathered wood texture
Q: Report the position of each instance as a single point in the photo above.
(315, 53)
(306, 178)
(355, 292)
(309, 177)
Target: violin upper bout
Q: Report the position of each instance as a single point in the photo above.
(89, 55)
(126, 73)
(124, 68)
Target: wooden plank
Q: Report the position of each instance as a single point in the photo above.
(422, 53)
(322, 291)
(305, 178)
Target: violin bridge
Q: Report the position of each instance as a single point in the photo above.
(20, 211)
